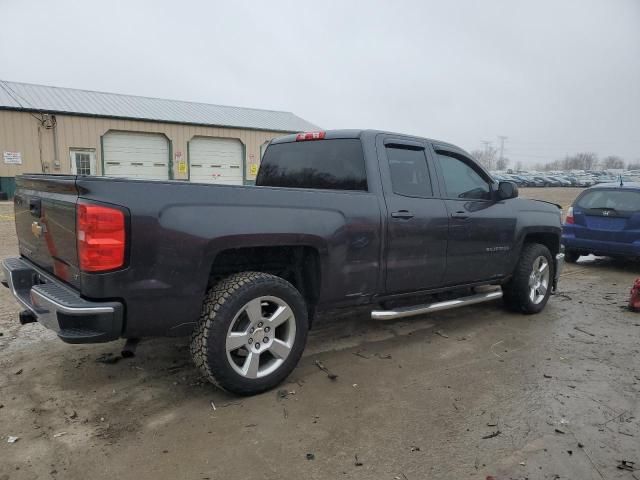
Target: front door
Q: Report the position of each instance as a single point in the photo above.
(83, 162)
(416, 217)
(481, 229)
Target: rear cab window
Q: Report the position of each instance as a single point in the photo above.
(608, 199)
(409, 171)
(330, 164)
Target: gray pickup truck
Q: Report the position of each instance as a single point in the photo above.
(337, 219)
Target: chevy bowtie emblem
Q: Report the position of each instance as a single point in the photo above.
(37, 229)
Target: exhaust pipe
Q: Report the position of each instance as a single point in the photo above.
(438, 306)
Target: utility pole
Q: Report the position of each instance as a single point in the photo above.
(488, 163)
(502, 138)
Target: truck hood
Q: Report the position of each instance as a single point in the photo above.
(530, 204)
(544, 201)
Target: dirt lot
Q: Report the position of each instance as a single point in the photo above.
(461, 394)
(561, 196)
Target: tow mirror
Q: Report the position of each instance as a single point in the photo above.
(507, 190)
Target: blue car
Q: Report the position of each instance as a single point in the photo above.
(604, 220)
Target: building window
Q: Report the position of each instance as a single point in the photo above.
(83, 162)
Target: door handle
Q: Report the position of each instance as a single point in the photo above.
(35, 207)
(404, 214)
(460, 215)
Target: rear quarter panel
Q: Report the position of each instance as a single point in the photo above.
(177, 229)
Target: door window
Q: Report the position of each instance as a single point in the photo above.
(461, 180)
(409, 172)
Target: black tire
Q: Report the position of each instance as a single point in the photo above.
(517, 290)
(221, 305)
(570, 256)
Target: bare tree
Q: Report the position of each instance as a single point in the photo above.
(579, 161)
(519, 166)
(486, 157)
(502, 163)
(612, 162)
(588, 159)
(634, 165)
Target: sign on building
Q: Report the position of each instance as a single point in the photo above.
(13, 158)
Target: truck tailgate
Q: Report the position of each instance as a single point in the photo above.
(45, 210)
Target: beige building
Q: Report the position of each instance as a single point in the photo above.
(61, 130)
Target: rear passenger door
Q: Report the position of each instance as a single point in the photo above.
(417, 220)
(481, 228)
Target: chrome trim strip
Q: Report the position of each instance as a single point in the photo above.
(69, 310)
(436, 307)
(43, 306)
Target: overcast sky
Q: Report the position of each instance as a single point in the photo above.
(555, 77)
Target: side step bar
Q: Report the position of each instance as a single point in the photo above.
(403, 312)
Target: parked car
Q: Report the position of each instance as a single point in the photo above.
(584, 181)
(604, 179)
(520, 181)
(537, 182)
(547, 181)
(337, 219)
(604, 220)
(562, 182)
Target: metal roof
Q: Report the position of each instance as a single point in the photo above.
(26, 96)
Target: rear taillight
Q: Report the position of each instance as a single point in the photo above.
(101, 237)
(569, 218)
(301, 137)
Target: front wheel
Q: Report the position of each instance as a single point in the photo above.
(530, 287)
(251, 333)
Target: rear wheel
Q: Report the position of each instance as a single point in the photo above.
(570, 256)
(251, 333)
(530, 287)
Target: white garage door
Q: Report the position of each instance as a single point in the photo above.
(216, 160)
(136, 155)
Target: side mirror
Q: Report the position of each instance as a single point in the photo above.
(507, 190)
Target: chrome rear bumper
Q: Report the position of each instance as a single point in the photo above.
(59, 307)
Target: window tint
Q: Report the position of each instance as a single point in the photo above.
(462, 181)
(619, 200)
(324, 164)
(409, 172)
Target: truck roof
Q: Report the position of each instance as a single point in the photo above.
(358, 133)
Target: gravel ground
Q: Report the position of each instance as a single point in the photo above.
(561, 196)
(467, 393)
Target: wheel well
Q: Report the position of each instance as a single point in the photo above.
(299, 265)
(549, 240)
